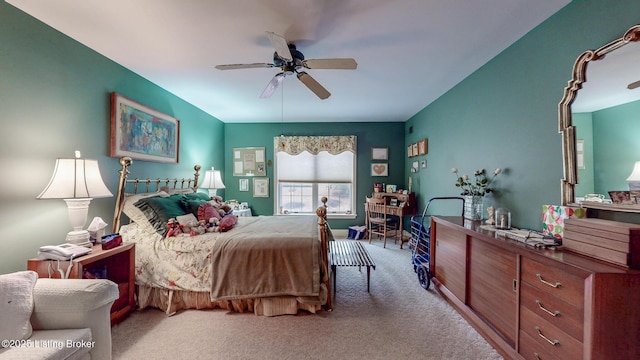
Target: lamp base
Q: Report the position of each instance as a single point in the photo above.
(80, 238)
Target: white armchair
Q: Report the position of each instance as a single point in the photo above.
(70, 320)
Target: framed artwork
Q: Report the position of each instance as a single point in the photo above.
(243, 185)
(423, 164)
(414, 167)
(391, 189)
(143, 133)
(414, 149)
(260, 187)
(249, 161)
(393, 202)
(422, 147)
(380, 169)
(379, 153)
(410, 151)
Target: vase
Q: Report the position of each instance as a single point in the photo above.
(473, 207)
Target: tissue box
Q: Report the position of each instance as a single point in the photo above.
(553, 217)
(96, 236)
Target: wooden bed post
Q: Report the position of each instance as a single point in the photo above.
(125, 162)
(322, 223)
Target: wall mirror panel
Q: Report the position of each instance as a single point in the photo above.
(599, 119)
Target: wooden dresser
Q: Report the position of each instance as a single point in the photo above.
(532, 303)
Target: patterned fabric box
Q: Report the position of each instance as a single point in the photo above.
(553, 217)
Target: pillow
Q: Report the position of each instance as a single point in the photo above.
(172, 191)
(185, 219)
(228, 222)
(197, 196)
(158, 210)
(16, 304)
(193, 205)
(206, 211)
(134, 213)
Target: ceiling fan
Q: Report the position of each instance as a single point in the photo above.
(292, 61)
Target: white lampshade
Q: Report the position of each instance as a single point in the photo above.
(77, 181)
(634, 179)
(212, 181)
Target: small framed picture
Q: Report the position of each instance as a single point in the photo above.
(243, 184)
(391, 189)
(410, 151)
(393, 202)
(415, 149)
(380, 169)
(379, 153)
(260, 187)
(423, 164)
(422, 147)
(414, 167)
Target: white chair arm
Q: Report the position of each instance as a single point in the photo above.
(74, 304)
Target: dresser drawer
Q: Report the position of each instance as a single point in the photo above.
(531, 350)
(549, 338)
(567, 317)
(558, 283)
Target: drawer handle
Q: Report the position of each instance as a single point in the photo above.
(556, 285)
(552, 313)
(552, 342)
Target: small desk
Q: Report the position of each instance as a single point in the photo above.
(409, 208)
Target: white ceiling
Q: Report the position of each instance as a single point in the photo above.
(409, 52)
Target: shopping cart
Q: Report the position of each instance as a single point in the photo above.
(420, 241)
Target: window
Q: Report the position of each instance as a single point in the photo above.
(304, 178)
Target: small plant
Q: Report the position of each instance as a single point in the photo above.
(479, 186)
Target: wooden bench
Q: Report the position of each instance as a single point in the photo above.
(349, 253)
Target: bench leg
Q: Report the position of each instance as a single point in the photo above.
(368, 276)
(333, 271)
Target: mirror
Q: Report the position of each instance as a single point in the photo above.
(611, 83)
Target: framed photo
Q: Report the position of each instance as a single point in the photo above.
(243, 185)
(249, 161)
(423, 164)
(414, 167)
(393, 202)
(379, 153)
(143, 133)
(391, 189)
(410, 151)
(414, 149)
(422, 147)
(260, 187)
(380, 169)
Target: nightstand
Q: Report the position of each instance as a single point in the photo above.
(242, 212)
(115, 264)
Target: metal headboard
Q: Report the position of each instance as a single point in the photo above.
(145, 186)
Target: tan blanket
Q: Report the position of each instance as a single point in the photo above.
(271, 256)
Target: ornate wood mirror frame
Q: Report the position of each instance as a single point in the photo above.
(567, 129)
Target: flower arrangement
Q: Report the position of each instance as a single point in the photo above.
(478, 187)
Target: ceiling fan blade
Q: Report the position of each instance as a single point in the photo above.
(280, 43)
(633, 85)
(243, 66)
(272, 86)
(313, 85)
(342, 63)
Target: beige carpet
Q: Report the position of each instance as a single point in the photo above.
(397, 320)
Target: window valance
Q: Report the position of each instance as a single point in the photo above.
(295, 145)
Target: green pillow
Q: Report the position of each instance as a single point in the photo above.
(193, 205)
(158, 210)
(197, 196)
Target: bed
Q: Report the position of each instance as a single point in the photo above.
(269, 265)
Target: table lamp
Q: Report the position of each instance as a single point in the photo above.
(634, 179)
(212, 181)
(77, 181)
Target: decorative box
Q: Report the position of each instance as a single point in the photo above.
(554, 216)
(611, 241)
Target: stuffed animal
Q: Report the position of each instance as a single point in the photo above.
(212, 225)
(228, 222)
(174, 227)
(195, 228)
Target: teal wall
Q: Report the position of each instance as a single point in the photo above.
(615, 133)
(505, 114)
(54, 99)
(368, 134)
